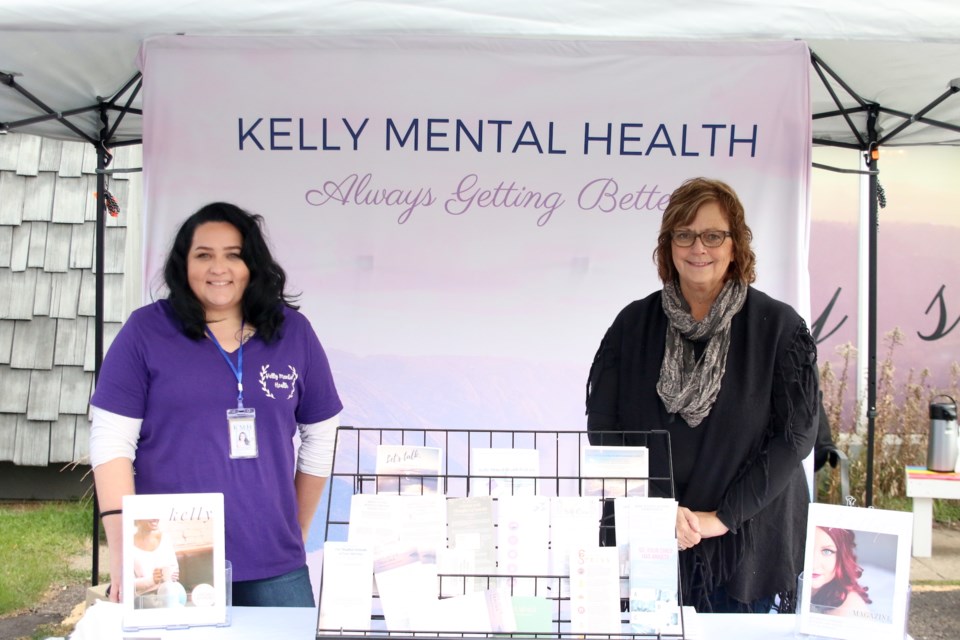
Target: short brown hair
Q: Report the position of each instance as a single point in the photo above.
(684, 203)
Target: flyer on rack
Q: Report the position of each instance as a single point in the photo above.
(408, 469)
(614, 471)
(504, 472)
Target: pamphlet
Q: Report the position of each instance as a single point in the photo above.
(407, 469)
(346, 596)
(574, 523)
(523, 536)
(595, 591)
(534, 614)
(484, 612)
(472, 546)
(656, 517)
(379, 520)
(646, 535)
(406, 585)
(611, 472)
(504, 472)
(654, 602)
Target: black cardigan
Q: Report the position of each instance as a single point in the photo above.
(743, 460)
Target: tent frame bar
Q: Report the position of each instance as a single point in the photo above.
(919, 114)
(10, 80)
(50, 114)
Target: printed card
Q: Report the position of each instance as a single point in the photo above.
(614, 471)
(407, 469)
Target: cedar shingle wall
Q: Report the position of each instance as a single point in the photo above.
(47, 236)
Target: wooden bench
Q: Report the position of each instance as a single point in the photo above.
(923, 486)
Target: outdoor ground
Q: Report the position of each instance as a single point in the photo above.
(933, 611)
(56, 614)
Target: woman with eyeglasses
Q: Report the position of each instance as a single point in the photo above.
(731, 375)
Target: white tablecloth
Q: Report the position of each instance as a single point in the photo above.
(103, 621)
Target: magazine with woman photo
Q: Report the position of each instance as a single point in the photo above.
(856, 572)
(173, 560)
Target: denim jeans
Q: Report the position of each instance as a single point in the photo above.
(289, 590)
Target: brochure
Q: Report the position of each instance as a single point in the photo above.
(574, 523)
(523, 536)
(346, 596)
(407, 469)
(654, 602)
(472, 542)
(594, 591)
(610, 472)
(406, 585)
(647, 543)
(655, 517)
(381, 520)
(173, 560)
(534, 614)
(483, 612)
(504, 472)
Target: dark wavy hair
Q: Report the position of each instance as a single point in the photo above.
(848, 572)
(682, 209)
(264, 297)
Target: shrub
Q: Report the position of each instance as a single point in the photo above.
(901, 425)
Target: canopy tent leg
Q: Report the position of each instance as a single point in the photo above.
(104, 157)
(872, 158)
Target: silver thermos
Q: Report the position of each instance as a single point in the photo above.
(942, 447)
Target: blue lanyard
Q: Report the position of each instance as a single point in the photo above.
(237, 370)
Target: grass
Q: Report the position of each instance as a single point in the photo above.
(35, 540)
(45, 631)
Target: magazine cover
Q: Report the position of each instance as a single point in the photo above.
(173, 560)
(856, 573)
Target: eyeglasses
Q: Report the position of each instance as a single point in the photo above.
(710, 238)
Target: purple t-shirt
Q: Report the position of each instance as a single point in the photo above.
(182, 389)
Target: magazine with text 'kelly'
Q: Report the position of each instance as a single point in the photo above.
(174, 570)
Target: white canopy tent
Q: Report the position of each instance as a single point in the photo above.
(71, 53)
(882, 73)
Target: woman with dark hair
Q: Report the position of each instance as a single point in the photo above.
(834, 581)
(225, 353)
(730, 374)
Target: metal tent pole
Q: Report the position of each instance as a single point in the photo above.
(872, 158)
(103, 159)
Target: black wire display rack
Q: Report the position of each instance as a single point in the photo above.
(354, 472)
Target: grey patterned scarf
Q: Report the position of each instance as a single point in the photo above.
(686, 386)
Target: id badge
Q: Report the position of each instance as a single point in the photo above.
(242, 425)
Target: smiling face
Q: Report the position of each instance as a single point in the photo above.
(824, 559)
(703, 270)
(145, 526)
(217, 274)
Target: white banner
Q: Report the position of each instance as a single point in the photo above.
(465, 216)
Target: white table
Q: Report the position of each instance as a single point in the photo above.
(300, 623)
(923, 486)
